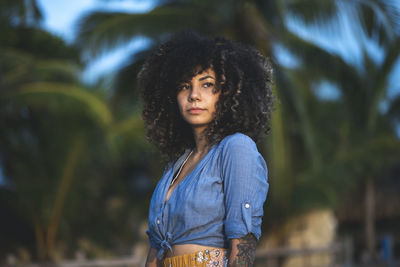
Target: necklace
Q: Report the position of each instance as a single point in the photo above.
(180, 169)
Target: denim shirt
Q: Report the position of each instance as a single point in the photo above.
(221, 199)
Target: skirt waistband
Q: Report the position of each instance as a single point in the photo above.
(205, 258)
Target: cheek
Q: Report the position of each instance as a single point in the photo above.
(215, 102)
(180, 102)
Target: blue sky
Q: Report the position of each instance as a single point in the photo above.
(60, 18)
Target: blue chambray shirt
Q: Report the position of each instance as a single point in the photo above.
(221, 199)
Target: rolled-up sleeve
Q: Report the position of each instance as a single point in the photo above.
(245, 177)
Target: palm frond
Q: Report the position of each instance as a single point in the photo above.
(312, 11)
(21, 11)
(382, 75)
(320, 63)
(18, 67)
(102, 31)
(62, 97)
(394, 109)
(377, 19)
(326, 186)
(124, 85)
(56, 70)
(380, 19)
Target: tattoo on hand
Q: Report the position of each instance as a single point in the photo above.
(246, 251)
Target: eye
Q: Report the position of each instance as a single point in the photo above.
(184, 87)
(208, 85)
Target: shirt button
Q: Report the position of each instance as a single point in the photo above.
(158, 221)
(247, 205)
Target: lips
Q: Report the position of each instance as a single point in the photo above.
(195, 110)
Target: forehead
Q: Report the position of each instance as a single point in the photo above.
(200, 73)
(206, 72)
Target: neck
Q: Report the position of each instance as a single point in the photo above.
(202, 145)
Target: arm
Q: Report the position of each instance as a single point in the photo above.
(152, 260)
(242, 251)
(245, 187)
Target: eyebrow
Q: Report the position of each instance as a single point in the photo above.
(206, 77)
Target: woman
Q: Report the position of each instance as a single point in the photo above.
(205, 101)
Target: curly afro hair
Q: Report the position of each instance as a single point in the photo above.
(243, 76)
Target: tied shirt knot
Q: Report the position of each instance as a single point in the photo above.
(164, 246)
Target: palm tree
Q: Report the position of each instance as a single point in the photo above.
(263, 24)
(56, 135)
(20, 12)
(362, 91)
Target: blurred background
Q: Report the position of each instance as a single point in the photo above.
(76, 172)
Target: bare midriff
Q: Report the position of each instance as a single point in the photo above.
(179, 250)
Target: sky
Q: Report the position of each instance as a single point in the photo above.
(60, 18)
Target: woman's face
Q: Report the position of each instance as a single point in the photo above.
(197, 99)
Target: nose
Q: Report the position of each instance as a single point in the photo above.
(194, 93)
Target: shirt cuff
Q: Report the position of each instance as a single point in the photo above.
(239, 227)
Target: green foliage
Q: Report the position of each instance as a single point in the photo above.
(102, 31)
(20, 11)
(65, 151)
(37, 42)
(32, 55)
(74, 156)
(56, 97)
(327, 148)
(306, 10)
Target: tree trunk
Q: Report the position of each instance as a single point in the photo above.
(370, 217)
(71, 163)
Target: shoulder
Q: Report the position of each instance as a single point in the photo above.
(237, 142)
(238, 149)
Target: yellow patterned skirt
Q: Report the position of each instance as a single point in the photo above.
(205, 258)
